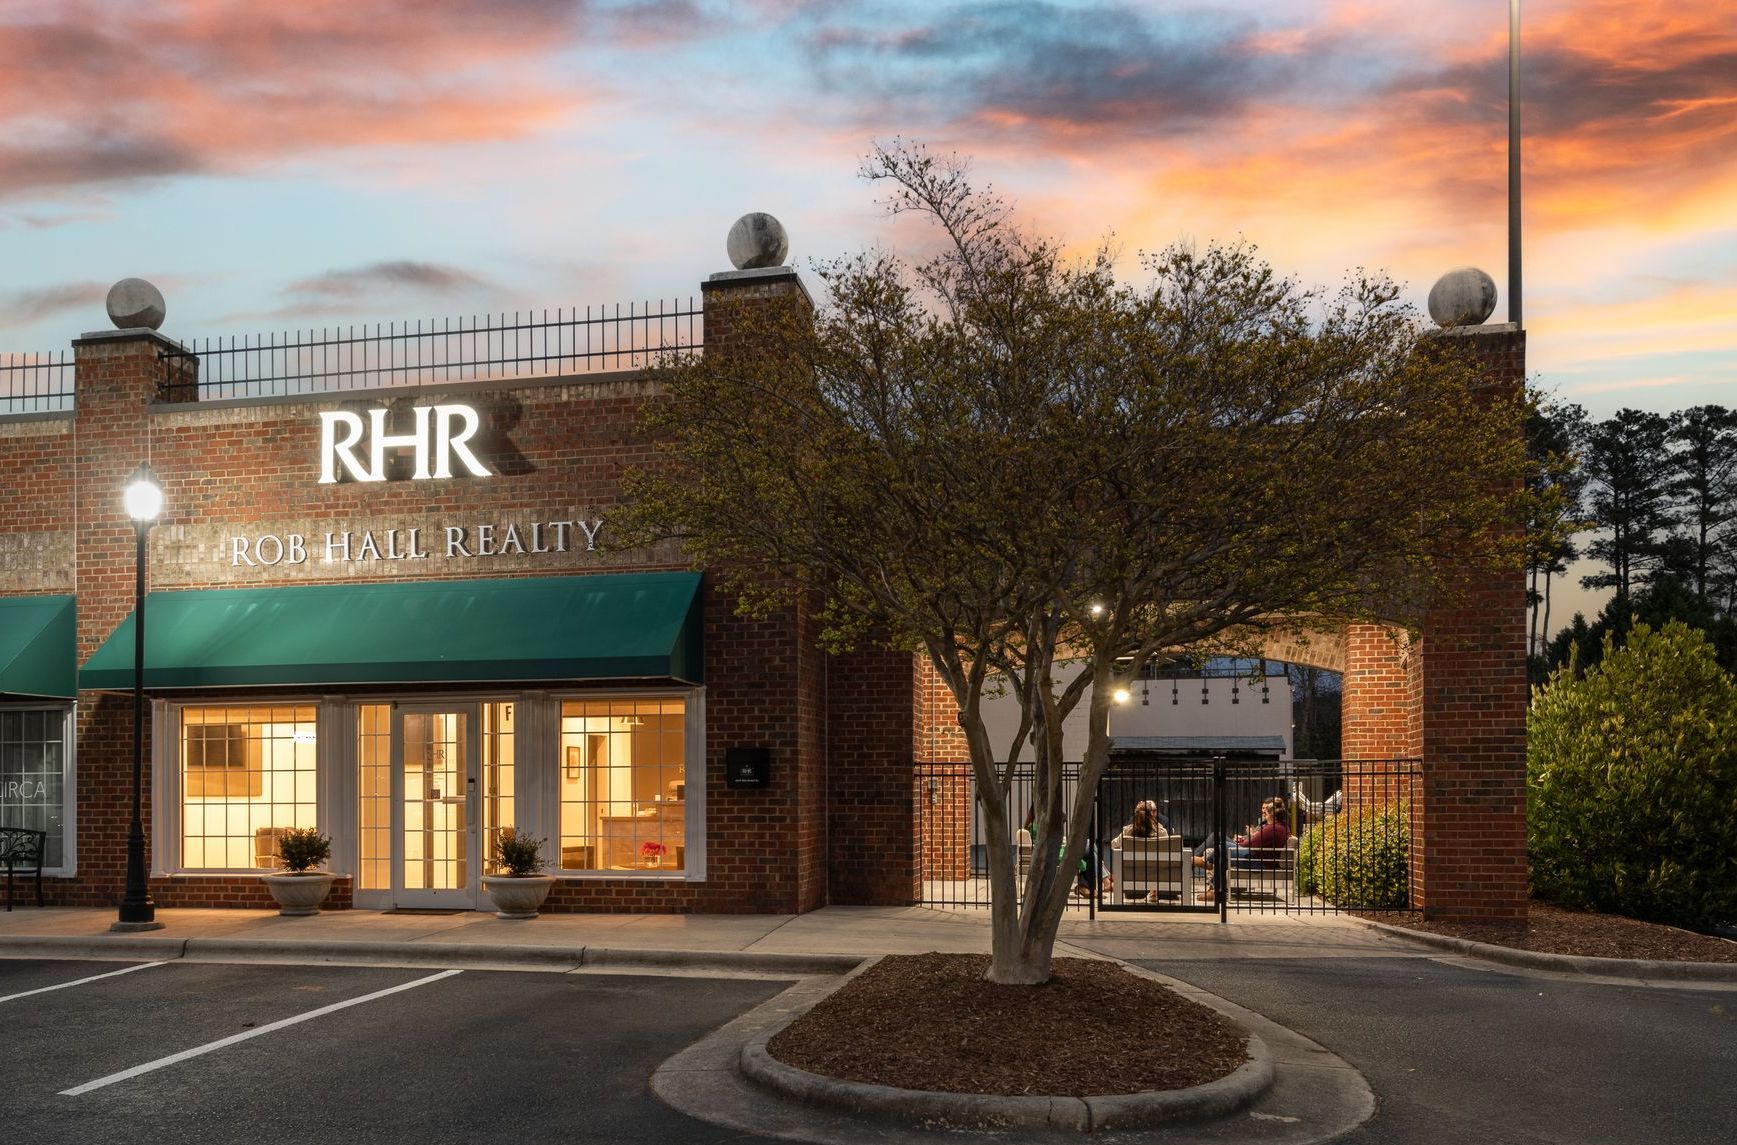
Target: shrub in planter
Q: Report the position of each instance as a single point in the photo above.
(518, 887)
(303, 849)
(299, 888)
(1359, 858)
(1632, 782)
(517, 854)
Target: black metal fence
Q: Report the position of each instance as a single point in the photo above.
(1348, 837)
(36, 383)
(520, 345)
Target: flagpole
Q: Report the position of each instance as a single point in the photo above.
(1514, 162)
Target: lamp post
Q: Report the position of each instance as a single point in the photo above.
(143, 500)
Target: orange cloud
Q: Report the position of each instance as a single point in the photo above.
(108, 92)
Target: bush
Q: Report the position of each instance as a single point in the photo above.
(517, 854)
(303, 849)
(1632, 778)
(1359, 858)
(1308, 857)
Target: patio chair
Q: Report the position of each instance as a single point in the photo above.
(1151, 868)
(1270, 872)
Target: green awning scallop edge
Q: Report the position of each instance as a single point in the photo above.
(39, 647)
(543, 629)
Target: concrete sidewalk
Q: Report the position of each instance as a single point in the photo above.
(830, 940)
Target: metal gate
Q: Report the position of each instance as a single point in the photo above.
(1349, 839)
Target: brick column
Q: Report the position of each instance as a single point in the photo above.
(945, 793)
(779, 688)
(118, 373)
(1474, 694)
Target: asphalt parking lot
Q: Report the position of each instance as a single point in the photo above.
(1459, 1054)
(426, 1056)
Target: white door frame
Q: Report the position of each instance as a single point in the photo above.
(464, 897)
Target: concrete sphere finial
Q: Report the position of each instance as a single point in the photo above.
(135, 303)
(1464, 296)
(757, 240)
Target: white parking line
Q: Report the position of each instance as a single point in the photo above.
(81, 981)
(234, 1038)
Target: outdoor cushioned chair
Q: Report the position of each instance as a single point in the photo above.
(1269, 872)
(1152, 867)
(1022, 856)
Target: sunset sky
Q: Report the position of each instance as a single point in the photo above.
(280, 166)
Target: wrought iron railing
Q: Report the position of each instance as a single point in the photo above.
(516, 346)
(1353, 830)
(36, 383)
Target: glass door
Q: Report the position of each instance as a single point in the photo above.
(435, 804)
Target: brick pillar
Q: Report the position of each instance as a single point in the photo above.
(1379, 716)
(118, 374)
(944, 796)
(1474, 694)
(743, 310)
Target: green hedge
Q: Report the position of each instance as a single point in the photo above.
(1632, 782)
(1360, 858)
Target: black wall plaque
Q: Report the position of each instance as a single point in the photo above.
(747, 767)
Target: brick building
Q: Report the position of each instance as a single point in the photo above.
(379, 610)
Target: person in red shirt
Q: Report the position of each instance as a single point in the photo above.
(1259, 847)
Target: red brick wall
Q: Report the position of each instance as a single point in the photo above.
(944, 793)
(873, 835)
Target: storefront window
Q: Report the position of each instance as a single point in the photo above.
(33, 776)
(623, 785)
(247, 773)
(374, 791)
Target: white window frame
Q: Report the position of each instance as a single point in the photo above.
(165, 765)
(68, 782)
(693, 769)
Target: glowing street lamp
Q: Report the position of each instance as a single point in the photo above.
(143, 500)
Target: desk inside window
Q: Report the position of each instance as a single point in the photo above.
(622, 836)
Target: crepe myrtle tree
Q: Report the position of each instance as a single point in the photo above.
(1041, 477)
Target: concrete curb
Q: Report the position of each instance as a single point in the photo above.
(1631, 969)
(119, 948)
(367, 953)
(974, 1111)
(739, 961)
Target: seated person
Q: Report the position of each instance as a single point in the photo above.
(1145, 824)
(1090, 864)
(1258, 847)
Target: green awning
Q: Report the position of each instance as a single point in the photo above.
(616, 626)
(38, 646)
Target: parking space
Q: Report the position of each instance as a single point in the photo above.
(425, 1056)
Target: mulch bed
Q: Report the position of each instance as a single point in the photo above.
(1557, 930)
(931, 1022)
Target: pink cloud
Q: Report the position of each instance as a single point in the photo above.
(103, 93)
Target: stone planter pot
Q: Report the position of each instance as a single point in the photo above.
(299, 894)
(517, 896)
